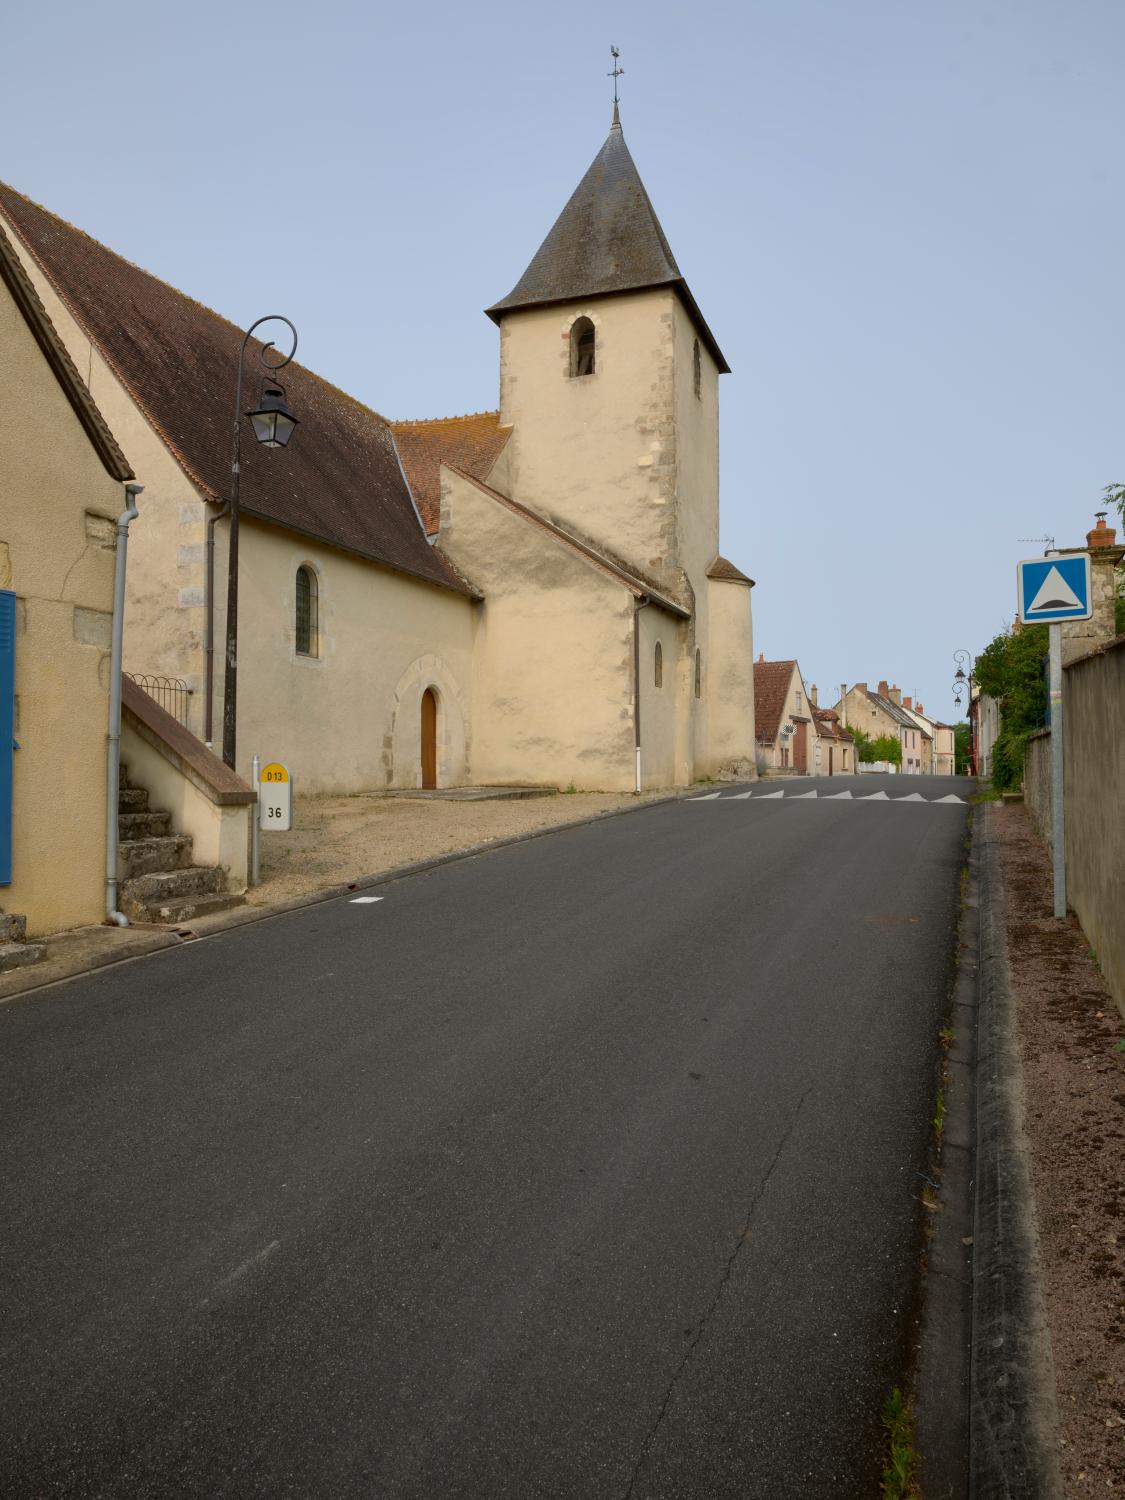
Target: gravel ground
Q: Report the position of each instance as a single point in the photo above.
(338, 839)
(1074, 1087)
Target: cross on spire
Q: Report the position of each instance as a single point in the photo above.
(615, 75)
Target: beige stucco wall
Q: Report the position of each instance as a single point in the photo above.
(164, 602)
(661, 708)
(348, 718)
(795, 708)
(553, 668)
(60, 564)
(729, 681)
(597, 453)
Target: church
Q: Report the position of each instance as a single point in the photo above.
(529, 596)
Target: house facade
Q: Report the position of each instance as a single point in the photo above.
(882, 713)
(533, 595)
(61, 490)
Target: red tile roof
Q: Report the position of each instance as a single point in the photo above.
(471, 444)
(339, 481)
(771, 686)
(827, 722)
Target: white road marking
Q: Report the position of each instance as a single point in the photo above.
(739, 797)
(800, 796)
(875, 797)
(365, 900)
(836, 796)
(951, 798)
(765, 796)
(914, 797)
(709, 797)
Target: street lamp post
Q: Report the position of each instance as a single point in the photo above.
(964, 680)
(273, 425)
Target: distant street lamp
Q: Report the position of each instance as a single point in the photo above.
(964, 680)
(273, 425)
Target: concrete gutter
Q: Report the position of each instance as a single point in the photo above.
(71, 954)
(1012, 1414)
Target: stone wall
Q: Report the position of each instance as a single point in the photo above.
(1094, 784)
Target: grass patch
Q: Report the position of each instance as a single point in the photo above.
(990, 794)
(939, 1116)
(900, 1471)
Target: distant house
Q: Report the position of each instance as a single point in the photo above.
(786, 735)
(882, 713)
(937, 755)
(835, 748)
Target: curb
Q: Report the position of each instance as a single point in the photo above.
(150, 940)
(1012, 1413)
(944, 1360)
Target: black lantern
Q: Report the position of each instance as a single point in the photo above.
(273, 422)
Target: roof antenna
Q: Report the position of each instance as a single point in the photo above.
(615, 75)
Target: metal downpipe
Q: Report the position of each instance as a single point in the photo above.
(638, 605)
(209, 628)
(113, 755)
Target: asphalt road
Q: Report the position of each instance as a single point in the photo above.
(583, 1168)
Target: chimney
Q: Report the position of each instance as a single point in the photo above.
(909, 703)
(919, 709)
(761, 656)
(812, 695)
(884, 690)
(896, 695)
(1102, 535)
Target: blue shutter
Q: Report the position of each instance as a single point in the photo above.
(7, 727)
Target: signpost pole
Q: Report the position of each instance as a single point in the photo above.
(1058, 814)
(256, 825)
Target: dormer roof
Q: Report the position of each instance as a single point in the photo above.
(607, 240)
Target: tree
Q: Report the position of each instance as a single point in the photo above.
(962, 747)
(889, 748)
(864, 749)
(1010, 669)
(1115, 500)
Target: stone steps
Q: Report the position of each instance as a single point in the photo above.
(158, 882)
(143, 825)
(151, 855)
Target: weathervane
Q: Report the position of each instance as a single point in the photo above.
(615, 75)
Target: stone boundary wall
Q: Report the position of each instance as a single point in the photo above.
(1094, 719)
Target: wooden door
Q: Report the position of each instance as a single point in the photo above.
(801, 749)
(429, 739)
(830, 760)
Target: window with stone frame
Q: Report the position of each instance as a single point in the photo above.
(582, 347)
(306, 612)
(658, 666)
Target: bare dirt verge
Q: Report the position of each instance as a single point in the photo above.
(335, 840)
(1074, 1090)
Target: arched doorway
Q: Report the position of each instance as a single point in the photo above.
(429, 739)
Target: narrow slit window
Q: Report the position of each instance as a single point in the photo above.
(697, 371)
(306, 612)
(582, 352)
(698, 673)
(658, 665)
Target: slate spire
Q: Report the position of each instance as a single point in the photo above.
(606, 240)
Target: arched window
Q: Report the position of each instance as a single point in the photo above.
(658, 665)
(698, 672)
(697, 371)
(582, 347)
(307, 644)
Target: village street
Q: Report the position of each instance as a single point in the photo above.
(588, 1167)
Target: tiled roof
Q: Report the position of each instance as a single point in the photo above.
(891, 708)
(339, 481)
(607, 239)
(471, 444)
(771, 687)
(26, 298)
(828, 725)
(637, 585)
(727, 572)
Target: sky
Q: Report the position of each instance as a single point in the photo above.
(903, 222)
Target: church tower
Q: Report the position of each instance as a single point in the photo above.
(609, 379)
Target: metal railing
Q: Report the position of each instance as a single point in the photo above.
(172, 693)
